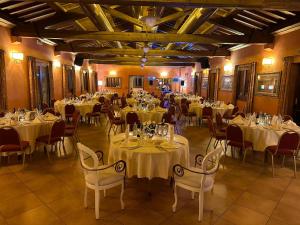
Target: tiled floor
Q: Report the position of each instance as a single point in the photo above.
(52, 193)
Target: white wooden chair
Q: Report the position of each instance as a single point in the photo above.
(100, 177)
(197, 179)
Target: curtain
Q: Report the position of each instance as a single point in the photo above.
(33, 83)
(65, 82)
(74, 80)
(3, 94)
(51, 83)
(284, 92)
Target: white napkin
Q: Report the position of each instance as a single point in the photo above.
(238, 120)
(36, 120)
(230, 106)
(290, 124)
(274, 120)
(49, 116)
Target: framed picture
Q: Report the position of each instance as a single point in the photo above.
(268, 84)
(204, 83)
(226, 84)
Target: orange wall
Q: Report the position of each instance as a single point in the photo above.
(17, 73)
(284, 45)
(148, 71)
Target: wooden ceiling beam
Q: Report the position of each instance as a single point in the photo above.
(172, 17)
(33, 31)
(125, 17)
(292, 5)
(139, 63)
(288, 25)
(140, 52)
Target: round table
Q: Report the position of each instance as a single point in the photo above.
(145, 115)
(197, 108)
(262, 136)
(82, 107)
(148, 160)
(30, 130)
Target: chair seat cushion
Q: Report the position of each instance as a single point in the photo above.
(44, 139)
(194, 179)
(14, 148)
(247, 144)
(273, 148)
(104, 177)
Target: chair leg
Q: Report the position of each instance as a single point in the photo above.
(85, 197)
(272, 159)
(97, 203)
(201, 195)
(175, 197)
(121, 196)
(24, 158)
(282, 164)
(245, 153)
(295, 167)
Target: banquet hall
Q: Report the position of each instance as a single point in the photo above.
(149, 112)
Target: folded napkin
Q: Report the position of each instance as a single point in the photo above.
(49, 116)
(274, 120)
(290, 124)
(36, 120)
(230, 106)
(238, 120)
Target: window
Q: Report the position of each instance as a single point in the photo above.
(136, 81)
(243, 82)
(114, 82)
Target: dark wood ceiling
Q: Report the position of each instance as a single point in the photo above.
(183, 32)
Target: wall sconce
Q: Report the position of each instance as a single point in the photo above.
(112, 73)
(268, 61)
(228, 68)
(56, 63)
(206, 72)
(100, 82)
(77, 68)
(164, 74)
(17, 56)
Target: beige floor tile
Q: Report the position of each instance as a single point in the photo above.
(12, 190)
(257, 203)
(38, 216)
(239, 215)
(18, 205)
(287, 214)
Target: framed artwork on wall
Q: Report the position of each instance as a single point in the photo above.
(268, 84)
(204, 83)
(226, 84)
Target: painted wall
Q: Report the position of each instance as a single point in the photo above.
(284, 45)
(17, 72)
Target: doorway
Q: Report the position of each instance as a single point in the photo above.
(43, 82)
(136, 81)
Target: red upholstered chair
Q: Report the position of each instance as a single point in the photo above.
(69, 110)
(101, 99)
(172, 110)
(183, 101)
(56, 136)
(2, 114)
(221, 126)
(287, 118)
(207, 112)
(45, 106)
(169, 118)
(114, 121)
(131, 119)
(95, 114)
(185, 112)
(219, 136)
(288, 145)
(123, 102)
(235, 139)
(71, 130)
(10, 142)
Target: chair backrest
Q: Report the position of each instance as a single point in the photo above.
(45, 106)
(97, 108)
(167, 117)
(75, 118)
(88, 158)
(210, 163)
(48, 110)
(234, 133)
(183, 101)
(101, 99)
(287, 118)
(288, 141)
(69, 109)
(207, 111)
(9, 136)
(123, 102)
(132, 118)
(219, 120)
(172, 110)
(58, 129)
(2, 114)
(184, 108)
(235, 110)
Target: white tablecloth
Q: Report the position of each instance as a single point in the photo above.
(149, 161)
(83, 108)
(261, 136)
(197, 108)
(29, 131)
(145, 116)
